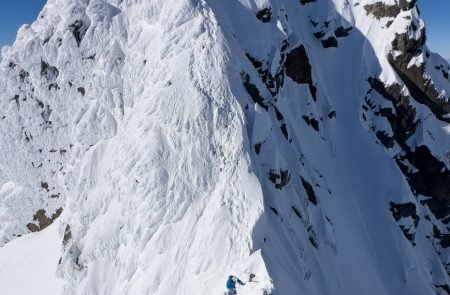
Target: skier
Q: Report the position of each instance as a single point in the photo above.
(231, 284)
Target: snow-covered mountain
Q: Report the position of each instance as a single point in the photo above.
(159, 146)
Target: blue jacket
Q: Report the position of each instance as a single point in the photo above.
(231, 284)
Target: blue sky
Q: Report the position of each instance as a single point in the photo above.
(436, 14)
(14, 13)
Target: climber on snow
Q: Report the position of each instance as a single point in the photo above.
(231, 284)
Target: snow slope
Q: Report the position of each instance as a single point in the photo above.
(28, 264)
(179, 142)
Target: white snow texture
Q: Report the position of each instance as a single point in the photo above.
(178, 145)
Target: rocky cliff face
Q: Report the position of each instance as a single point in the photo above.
(169, 140)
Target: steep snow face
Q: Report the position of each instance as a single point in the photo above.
(171, 194)
(160, 197)
(183, 141)
(346, 161)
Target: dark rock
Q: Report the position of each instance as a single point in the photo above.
(53, 86)
(278, 114)
(59, 42)
(445, 220)
(309, 191)
(342, 32)
(274, 211)
(421, 89)
(312, 122)
(313, 242)
(446, 288)
(403, 121)
(312, 237)
(444, 239)
(319, 34)
(386, 140)
(78, 30)
(264, 15)
(28, 137)
(51, 73)
(403, 211)
(332, 114)
(272, 83)
(40, 103)
(23, 75)
(44, 185)
(16, 99)
(380, 10)
(432, 179)
(258, 147)
(81, 90)
(297, 212)
(303, 2)
(283, 128)
(280, 178)
(313, 23)
(282, 125)
(329, 42)
(299, 69)
(265, 74)
(445, 72)
(67, 235)
(407, 4)
(409, 46)
(32, 227)
(43, 220)
(253, 91)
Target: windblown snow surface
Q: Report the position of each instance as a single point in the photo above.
(172, 143)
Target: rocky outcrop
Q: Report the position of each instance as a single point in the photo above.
(43, 220)
(430, 177)
(403, 117)
(299, 69)
(253, 91)
(264, 14)
(405, 214)
(280, 178)
(420, 88)
(380, 9)
(303, 2)
(309, 191)
(78, 29)
(329, 42)
(407, 4)
(342, 32)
